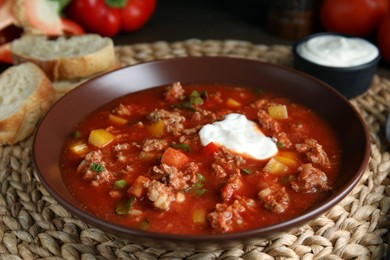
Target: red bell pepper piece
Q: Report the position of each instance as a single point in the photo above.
(210, 149)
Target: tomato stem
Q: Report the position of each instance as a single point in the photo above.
(116, 3)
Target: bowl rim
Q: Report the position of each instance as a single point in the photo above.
(363, 66)
(262, 232)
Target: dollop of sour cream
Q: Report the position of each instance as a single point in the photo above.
(239, 135)
(338, 51)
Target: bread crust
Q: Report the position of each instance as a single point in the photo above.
(87, 65)
(22, 122)
(63, 67)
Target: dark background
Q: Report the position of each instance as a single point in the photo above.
(177, 20)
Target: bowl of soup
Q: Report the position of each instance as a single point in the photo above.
(200, 152)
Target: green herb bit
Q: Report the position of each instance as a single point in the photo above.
(182, 146)
(185, 105)
(196, 98)
(197, 185)
(124, 206)
(97, 167)
(120, 184)
(201, 177)
(76, 134)
(280, 144)
(258, 91)
(246, 171)
(144, 224)
(200, 192)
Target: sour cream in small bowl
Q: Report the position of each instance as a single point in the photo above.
(346, 63)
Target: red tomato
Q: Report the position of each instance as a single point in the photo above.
(136, 13)
(384, 38)
(108, 18)
(95, 16)
(5, 53)
(7, 35)
(70, 27)
(355, 17)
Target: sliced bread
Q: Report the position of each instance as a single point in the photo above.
(26, 95)
(66, 57)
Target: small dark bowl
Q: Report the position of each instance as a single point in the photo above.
(309, 91)
(349, 81)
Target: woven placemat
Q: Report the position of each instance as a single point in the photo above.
(34, 226)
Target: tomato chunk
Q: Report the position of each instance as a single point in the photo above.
(210, 149)
(173, 157)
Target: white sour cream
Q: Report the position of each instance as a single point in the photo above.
(338, 51)
(239, 135)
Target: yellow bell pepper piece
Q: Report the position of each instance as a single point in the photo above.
(278, 111)
(289, 158)
(233, 103)
(199, 216)
(100, 138)
(275, 167)
(156, 128)
(117, 119)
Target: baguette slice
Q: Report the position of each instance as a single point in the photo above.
(26, 95)
(65, 57)
(61, 87)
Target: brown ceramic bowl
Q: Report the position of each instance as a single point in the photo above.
(307, 90)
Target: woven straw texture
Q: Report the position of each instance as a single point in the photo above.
(34, 226)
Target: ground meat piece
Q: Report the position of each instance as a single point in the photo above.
(122, 110)
(203, 117)
(260, 104)
(176, 179)
(192, 170)
(93, 168)
(115, 194)
(226, 163)
(314, 152)
(200, 118)
(160, 194)
(196, 117)
(227, 216)
(154, 145)
(274, 198)
(283, 140)
(267, 122)
(174, 93)
(310, 179)
(120, 150)
(219, 171)
(121, 147)
(298, 128)
(173, 121)
(232, 184)
(215, 97)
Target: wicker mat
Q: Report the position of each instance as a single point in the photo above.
(34, 226)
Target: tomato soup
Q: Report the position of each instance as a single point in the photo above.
(200, 159)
